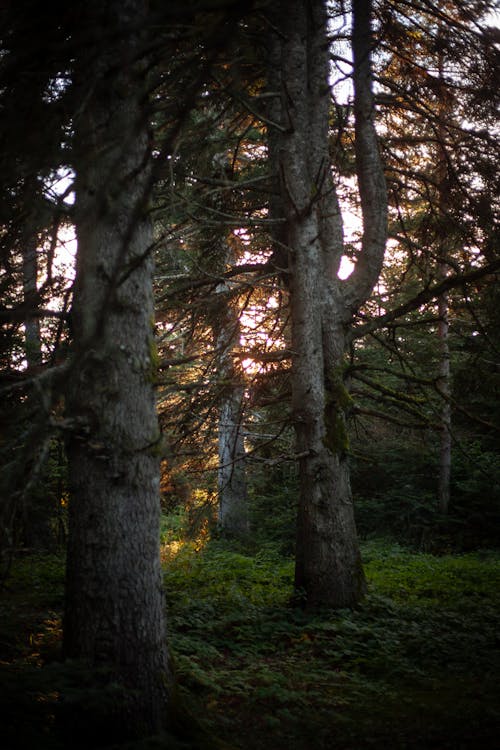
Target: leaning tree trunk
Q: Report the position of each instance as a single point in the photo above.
(115, 615)
(328, 565)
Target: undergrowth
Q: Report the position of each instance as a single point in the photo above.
(415, 666)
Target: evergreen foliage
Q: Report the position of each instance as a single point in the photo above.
(415, 666)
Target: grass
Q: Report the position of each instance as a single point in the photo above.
(414, 667)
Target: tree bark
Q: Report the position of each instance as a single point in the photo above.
(328, 565)
(114, 614)
(233, 517)
(232, 486)
(445, 235)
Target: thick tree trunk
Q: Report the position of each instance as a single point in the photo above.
(328, 564)
(115, 614)
(328, 568)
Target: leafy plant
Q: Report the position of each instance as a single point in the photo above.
(415, 666)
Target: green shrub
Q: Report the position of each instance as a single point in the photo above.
(273, 507)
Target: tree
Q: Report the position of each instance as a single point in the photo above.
(115, 615)
(307, 251)
(29, 220)
(224, 319)
(232, 487)
(328, 564)
(205, 285)
(435, 99)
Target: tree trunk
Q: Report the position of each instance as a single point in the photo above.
(444, 238)
(232, 486)
(445, 391)
(32, 338)
(37, 503)
(233, 500)
(233, 519)
(114, 614)
(328, 564)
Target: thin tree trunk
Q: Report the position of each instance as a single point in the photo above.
(232, 486)
(444, 389)
(233, 498)
(115, 616)
(233, 516)
(37, 506)
(32, 338)
(444, 382)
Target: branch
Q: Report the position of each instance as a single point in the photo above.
(387, 418)
(392, 394)
(426, 295)
(400, 405)
(369, 168)
(259, 356)
(19, 314)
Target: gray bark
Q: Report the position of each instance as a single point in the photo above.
(369, 168)
(233, 518)
(328, 565)
(115, 614)
(232, 487)
(233, 499)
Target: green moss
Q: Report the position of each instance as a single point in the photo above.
(338, 401)
(336, 438)
(154, 360)
(336, 391)
(159, 447)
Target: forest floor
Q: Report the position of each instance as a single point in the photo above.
(414, 667)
